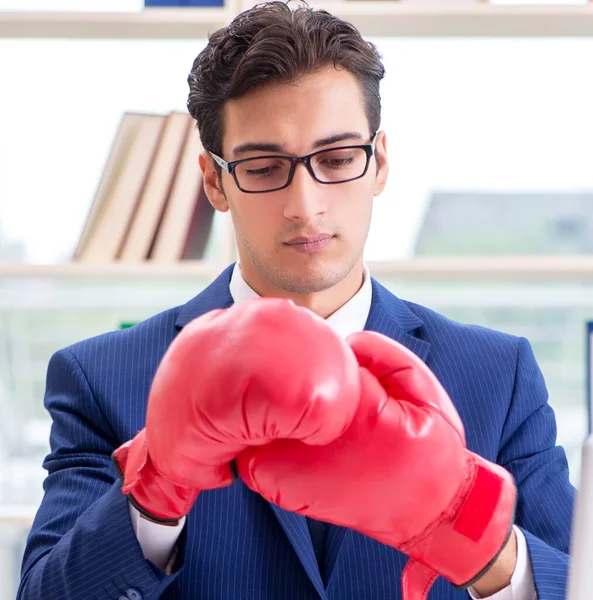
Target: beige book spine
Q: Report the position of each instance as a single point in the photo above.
(156, 191)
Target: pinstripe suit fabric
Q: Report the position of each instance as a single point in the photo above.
(236, 545)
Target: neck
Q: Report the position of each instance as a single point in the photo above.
(323, 303)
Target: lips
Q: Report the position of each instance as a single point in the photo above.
(309, 239)
(310, 244)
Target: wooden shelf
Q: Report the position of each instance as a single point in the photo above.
(17, 516)
(486, 268)
(151, 23)
(391, 18)
(464, 19)
(189, 269)
(525, 268)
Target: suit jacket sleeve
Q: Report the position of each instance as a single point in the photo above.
(82, 544)
(540, 468)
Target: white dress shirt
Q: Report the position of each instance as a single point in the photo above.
(158, 541)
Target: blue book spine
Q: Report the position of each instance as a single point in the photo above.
(165, 3)
(184, 3)
(205, 2)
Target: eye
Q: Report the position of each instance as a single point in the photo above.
(337, 159)
(261, 171)
(338, 162)
(263, 168)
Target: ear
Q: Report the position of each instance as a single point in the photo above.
(382, 162)
(212, 183)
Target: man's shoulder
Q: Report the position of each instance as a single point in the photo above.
(477, 352)
(438, 326)
(453, 342)
(435, 327)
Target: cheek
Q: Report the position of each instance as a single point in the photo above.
(257, 218)
(355, 208)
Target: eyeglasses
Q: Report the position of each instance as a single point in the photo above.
(271, 173)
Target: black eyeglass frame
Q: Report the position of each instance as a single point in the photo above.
(229, 167)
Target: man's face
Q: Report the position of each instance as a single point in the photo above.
(309, 236)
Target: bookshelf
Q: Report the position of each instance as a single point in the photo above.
(392, 18)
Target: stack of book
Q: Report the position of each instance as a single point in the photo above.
(150, 203)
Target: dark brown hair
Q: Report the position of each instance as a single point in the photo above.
(273, 43)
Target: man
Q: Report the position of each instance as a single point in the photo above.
(217, 418)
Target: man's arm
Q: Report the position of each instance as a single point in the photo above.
(539, 466)
(520, 586)
(158, 541)
(501, 572)
(82, 543)
(537, 461)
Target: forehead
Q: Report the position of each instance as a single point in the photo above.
(296, 114)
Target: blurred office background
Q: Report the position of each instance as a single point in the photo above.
(487, 216)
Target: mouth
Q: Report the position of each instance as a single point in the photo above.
(310, 244)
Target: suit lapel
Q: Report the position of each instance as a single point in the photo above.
(216, 295)
(391, 316)
(297, 533)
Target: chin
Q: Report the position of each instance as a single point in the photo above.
(315, 277)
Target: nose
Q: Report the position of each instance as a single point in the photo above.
(306, 198)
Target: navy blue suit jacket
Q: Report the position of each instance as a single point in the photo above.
(235, 544)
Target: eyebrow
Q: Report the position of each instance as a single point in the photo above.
(268, 147)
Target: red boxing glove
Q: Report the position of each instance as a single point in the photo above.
(400, 474)
(238, 377)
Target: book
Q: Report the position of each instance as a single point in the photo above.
(200, 228)
(183, 207)
(155, 194)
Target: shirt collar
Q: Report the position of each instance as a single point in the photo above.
(349, 318)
